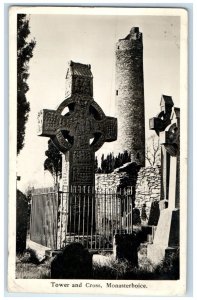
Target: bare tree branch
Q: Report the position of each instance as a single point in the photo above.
(152, 153)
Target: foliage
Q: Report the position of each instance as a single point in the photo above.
(22, 216)
(29, 256)
(24, 54)
(54, 161)
(153, 154)
(96, 165)
(111, 162)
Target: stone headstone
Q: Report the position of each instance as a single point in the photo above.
(136, 216)
(154, 213)
(75, 262)
(125, 248)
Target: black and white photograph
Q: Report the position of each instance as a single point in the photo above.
(98, 150)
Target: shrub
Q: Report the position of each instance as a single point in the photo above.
(21, 221)
(29, 256)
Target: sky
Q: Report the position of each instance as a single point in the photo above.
(91, 40)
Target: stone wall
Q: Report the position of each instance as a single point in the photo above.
(148, 188)
(108, 181)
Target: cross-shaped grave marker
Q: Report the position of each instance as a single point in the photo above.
(167, 125)
(80, 132)
(159, 124)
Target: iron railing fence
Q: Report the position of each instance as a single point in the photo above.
(80, 214)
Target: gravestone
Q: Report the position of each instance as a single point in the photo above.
(166, 239)
(78, 134)
(75, 262)
(125, 247)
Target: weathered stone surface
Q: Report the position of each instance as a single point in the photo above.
(78, 134)
(130, 96)
(166, 236)
(75, 262)
(159, 124)
(167, 125)
(144, 186)
(111, 181)
(147, 189)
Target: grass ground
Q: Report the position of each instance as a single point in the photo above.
(31, 268)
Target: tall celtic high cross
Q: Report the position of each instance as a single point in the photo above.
(167, 235)
(82, 130)
(159, 124)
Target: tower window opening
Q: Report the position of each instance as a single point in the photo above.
(116, 92)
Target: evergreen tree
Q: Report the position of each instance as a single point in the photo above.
(99, 171)
(54, 161)
(22, 220)
(110, 163)
(103, 164)
(24, 54)
(96, 165)
(126, 157)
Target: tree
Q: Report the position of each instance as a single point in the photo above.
(153, 154)
(22, 221)
(54, 161)
(111, 162)
(96, 164)
(24, 54)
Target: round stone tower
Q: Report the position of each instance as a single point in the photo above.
(130, 96)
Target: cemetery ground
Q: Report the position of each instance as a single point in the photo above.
(105, 266)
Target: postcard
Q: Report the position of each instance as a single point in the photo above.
(98, 150)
